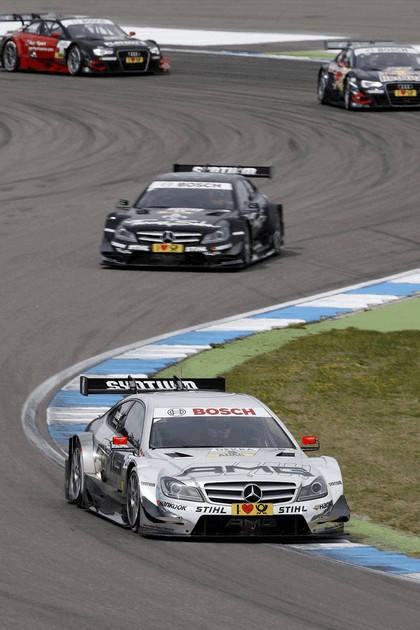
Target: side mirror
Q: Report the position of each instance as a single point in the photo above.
(120, 442)
(254, 206)
(122, 204)
(310, 443)
(132, 33)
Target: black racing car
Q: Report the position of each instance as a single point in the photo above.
(196, 216)
(75, 45)
(368, 75)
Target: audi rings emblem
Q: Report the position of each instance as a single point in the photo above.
(252, 493)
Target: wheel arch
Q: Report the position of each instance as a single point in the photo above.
(86, 444)
(130, 467)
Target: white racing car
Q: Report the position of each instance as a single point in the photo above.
(184, 458)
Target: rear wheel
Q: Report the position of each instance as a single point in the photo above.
(74, 61)
(10, 56)
(133, 501)
(77, 477)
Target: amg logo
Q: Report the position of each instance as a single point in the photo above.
(268, 469)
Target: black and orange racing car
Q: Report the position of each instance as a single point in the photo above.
(75, 45)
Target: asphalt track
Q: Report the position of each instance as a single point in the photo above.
(69, 149)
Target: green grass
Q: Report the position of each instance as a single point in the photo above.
(358, 390)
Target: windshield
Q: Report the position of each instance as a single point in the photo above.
(91, 28)
(209, 195)
(383, 60)
(218, 432)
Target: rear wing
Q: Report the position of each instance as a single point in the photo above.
(132, 385)
(342, 44)
(248, 171)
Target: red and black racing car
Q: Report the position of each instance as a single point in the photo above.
(75, 45)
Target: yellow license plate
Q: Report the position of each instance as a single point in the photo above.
(405, 93)
(167, 248)
(134, 60)
(252, 509)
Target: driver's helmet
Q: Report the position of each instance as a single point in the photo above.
(217, 199)
(219, 428)
(364, 61)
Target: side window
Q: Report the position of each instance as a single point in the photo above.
(116, 416)
(55, 28)
(243, 195)
(347, 58)
(249, 188)
(34, 28)
(134, 422)
(340, 57)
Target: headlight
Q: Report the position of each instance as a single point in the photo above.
(370, 84)
(154, 50)
(221, 234)
(101, 50)
(177, 490)
(125, 235)
(315, 490)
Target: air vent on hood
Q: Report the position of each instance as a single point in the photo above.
(176, 454)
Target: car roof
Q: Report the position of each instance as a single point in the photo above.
(200, 177)
(384, 48)
(192, 398)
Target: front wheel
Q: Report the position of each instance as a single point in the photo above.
(322, 88)
(74, 61)
(133, 501)
(348, 101)
(10, 56)
(246, 254)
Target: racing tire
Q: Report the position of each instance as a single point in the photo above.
(77, 477)
(277, 241)
(246, 254)
(10, 57)
(348, 102)
(133, 501)
(322, 88)
(74, 61)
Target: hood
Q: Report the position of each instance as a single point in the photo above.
(399, 74)
(206, 465)
(389, 75)
(185, 218)
(112, 42)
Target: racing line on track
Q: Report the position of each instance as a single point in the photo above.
(69, 412)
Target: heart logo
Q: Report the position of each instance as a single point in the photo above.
(164, 247)
(247, 508)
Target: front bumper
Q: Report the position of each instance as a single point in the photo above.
(116, 64)
(202, 257)
(385, 98)
(298, 520)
